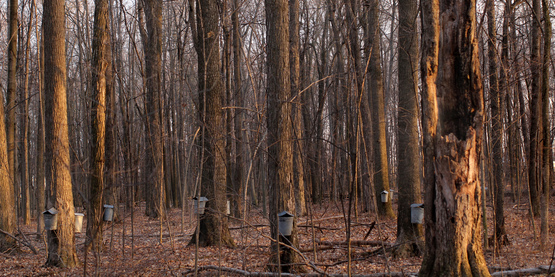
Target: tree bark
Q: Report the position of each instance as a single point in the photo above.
(377, 104)
(11, 95)
(280, 144)
(98, 84)
(409, 236)
(534, 162)
(547, 165)
(153, 108)
(213, 225)
(61, 242)
(453, 217)
(497, 128)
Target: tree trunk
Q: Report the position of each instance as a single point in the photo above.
(11, 101)
(496, 103)
(547, 165)
(61, 242)
(153, 108)
(453, 217)
(280, 144)
(294, 65)
(239, 182)
(98, 84)
(7, 203)
(377, 102)
(409, 236)
(213, 225)
(534, 163)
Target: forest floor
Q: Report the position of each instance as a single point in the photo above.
(146, 254)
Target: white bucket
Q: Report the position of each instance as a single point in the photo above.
(108, 213)
(200, 204)
(416, 213)
(385, 196)
(50, 219)
(79, 222)
(285, 223)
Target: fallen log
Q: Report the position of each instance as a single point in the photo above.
(544, 269)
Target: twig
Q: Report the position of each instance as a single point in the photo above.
(20, 241)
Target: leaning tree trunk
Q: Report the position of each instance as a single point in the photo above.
(453, 236)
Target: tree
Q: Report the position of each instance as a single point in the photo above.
(213, 226)
(11, 103)
(547, 163)
(497, 121)
(279, 123)
(61, 242)
(296, 116)
(534, 162)
(377, 104)
(7, 205)
(153, 108)
(453, 216)
(99, 65)
(409, 236)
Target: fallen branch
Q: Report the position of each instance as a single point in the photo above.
(247, 273)
(357, 243)
(544, 269)
(20, 241)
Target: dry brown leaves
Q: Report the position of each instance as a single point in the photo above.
(138, 251)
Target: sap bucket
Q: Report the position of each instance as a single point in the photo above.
(50, 219)
(385, 196)
(108, 213)
(79, 222)
(228, 208)
(200, 203)
(285, 223)
(416, 213)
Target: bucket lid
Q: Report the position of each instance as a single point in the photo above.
(79, 214)
(385, 192)
(285, 214)
(417, 206)
(51, 211)
(201, 199)
(108, 206)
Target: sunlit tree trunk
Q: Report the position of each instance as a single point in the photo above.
(453, 217)
(61, 242)
(98, 84)
(377, 104)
